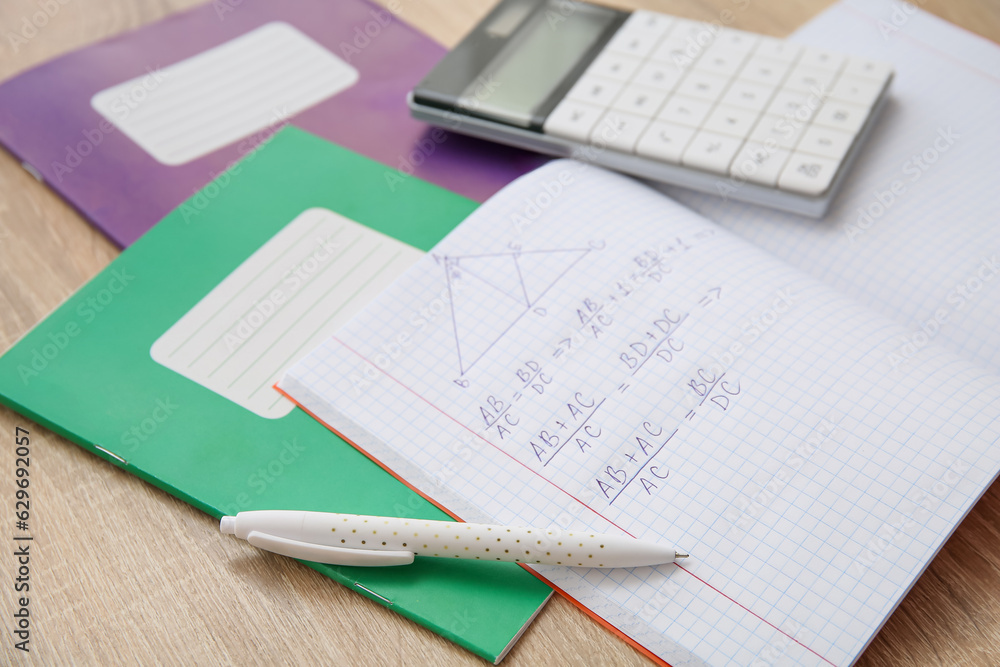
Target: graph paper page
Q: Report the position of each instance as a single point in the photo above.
(583, 353)
(927, 253)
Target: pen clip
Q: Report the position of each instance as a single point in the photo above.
(319, 553)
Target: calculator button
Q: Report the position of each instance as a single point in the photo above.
(702, 85)
(750, 96)
(777, 49)
(759, 164)
(810, 79)
(640, 100)
(737, 41)
(686, 111)
(724, 62)
(733, 121)
(825, 142)
(868, 69)
(796, 106)
(632, 42)
(572, 120)
(595, 90)
(613, 66)
(711, 152)
(767, 71)
(661, 76)
(828, 60)
(676, 52)
(651, 23)
(619, 131)
(777, 130)
(807, 174)
(842, 116)
(665, 142)
(699, 34)
(862, 92)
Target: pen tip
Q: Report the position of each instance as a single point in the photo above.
(678, 555)
(228, 525)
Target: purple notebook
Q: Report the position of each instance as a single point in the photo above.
(129, 128)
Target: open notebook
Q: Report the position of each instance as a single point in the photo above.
(605, 359)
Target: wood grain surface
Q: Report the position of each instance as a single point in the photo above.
(123, 573)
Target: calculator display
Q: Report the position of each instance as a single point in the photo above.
(545, 50)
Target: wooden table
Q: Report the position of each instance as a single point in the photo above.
(111, 586)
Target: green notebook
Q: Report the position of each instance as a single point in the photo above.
(163, 364)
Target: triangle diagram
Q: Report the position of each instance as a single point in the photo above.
(490, 293)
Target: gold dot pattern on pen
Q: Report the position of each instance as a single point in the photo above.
(508, 544)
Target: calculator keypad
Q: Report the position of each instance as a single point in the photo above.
(723, 101)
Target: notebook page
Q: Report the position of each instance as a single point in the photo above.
(582, 353)
(928, 254)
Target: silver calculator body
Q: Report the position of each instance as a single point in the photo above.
(699, 105)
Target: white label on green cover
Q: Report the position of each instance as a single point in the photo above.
(249, 84)
(279, 304)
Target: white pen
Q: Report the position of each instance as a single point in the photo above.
(352, 539)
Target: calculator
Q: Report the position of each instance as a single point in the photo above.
(695, 104)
